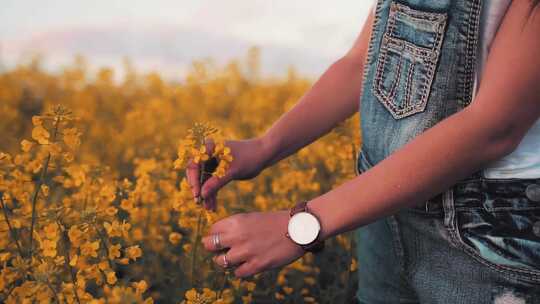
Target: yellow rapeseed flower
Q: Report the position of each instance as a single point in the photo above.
(89, 249)
(68, 157)
(126, 204)
(49, 248)
(103, 265)
(247, 299)
(37, 121)
(114, 251)
(354, 265)
(140, 287)
(75, 236)
(73, 260)
(26, 145)
(175, 237)
(207, 296)
(41, 135)
(187, 247)
(133, 137)
(51, 231)
(199, 154)
(134, 252)
(111, 211)
(71, 137)
(45, 190)
(111, 278)
(288, 290)
(250, 286)
(4, 256)
(116, 228)
(310, 280)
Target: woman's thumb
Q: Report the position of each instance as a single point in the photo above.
(213, 184)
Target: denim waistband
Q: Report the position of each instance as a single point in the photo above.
(476, 191)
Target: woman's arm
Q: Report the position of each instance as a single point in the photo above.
(332, 99)
(506, 106)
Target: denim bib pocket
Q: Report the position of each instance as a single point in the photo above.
(497, 222)
(407, 60)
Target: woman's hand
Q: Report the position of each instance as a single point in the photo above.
(249, 159)
(256, 242)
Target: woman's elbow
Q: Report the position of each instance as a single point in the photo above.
(499, 136)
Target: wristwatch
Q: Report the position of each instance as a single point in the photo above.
(304, 228)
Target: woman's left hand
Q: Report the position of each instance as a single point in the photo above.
(256, 242)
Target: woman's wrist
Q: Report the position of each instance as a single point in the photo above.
(328, 228)
(269, 150)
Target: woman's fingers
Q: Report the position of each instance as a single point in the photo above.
(231, 258)
(214, 183)
(193, 170)
(193, 175)
(246, 269)
(217, 241)
(210, 202)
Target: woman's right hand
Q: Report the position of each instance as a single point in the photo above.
(249, 159)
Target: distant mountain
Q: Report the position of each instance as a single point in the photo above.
(169, 50)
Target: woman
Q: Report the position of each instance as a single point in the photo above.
(448, 199)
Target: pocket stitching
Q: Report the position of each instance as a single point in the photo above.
(408, 87)
(431, 16)
(385, 99)
(415, 50)
(531, 275)
(525, 274)
(378, 77)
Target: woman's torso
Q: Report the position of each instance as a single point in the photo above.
(425, 61)
(524, 162)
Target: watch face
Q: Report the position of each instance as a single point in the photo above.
(303, 228)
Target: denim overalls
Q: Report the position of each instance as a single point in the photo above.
(477, 242)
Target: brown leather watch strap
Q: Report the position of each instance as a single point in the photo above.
(300, 207)
(316, 246)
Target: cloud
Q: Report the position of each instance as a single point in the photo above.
(167, 35)
(168, 49)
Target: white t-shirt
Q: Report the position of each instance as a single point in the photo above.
(524, 162)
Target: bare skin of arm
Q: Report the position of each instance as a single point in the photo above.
(506, 106)
(332, 99)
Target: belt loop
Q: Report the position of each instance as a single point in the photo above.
(479, 174)
(449, 208)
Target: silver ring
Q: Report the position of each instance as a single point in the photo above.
(225, 262)
(216, 241)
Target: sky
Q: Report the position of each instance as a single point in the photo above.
(166, 35)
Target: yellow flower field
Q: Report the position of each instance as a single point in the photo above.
(95, 204)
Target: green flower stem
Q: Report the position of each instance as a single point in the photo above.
(11, 230)
(197, 232)
(38, 188)
(8, 293)
(104, 247)
(225, 275)
(195, 247)
(350, 257)
(66, 244)
(48, 283)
